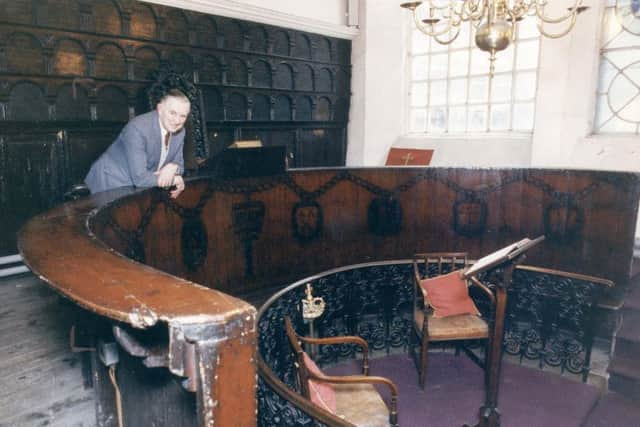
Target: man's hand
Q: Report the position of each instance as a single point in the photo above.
(179, 183)
(166, 175)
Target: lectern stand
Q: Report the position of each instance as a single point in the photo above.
(507, 259)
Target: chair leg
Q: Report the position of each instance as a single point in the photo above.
(423, 361)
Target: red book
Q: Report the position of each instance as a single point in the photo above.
(408, 157)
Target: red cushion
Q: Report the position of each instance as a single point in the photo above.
(321, 393)
(448, 295)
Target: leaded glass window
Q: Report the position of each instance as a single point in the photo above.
(451, 90)
(618, 97)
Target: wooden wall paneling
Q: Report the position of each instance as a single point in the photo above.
(72, 103)
(23, 54)
(84, 145)
(87, 64)
(27, 103)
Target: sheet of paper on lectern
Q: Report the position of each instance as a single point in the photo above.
(503, 254)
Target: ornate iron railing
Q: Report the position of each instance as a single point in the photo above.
(549, 319)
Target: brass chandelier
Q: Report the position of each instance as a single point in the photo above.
(494, 20)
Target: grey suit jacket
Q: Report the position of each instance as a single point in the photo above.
(133, 157)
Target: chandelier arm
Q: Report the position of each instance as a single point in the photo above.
(428, 29)
(573, 12)
(540, 25)
(451, 40)
(467, 12)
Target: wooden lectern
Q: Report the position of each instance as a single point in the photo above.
(504, 261)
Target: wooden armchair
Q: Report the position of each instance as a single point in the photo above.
(428, 324)
(353, 398)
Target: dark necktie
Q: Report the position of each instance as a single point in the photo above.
(166, 139)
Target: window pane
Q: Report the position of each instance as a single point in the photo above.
(437, 119)
(419, 67)
(479, 62)
(419, 42)
(500, 116)
(525, 86)
(523, 116)
(459, 63)
(504, 60)
(457, 119)
(479, 89)
(418, 120)
(501, 88)
(527, 28)
(439, 64)
(438, 95)
(457, 91)
(464, 37)
(419, 94)
(478, 118)
(527, 55)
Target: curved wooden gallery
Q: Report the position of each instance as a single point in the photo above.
(160, 282)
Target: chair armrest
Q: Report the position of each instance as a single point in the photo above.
(347, 339)
(365, 379)
(474, 281)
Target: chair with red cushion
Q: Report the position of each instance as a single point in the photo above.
(352, 398)
(442, 307)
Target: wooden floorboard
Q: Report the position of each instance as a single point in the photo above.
(41, 381)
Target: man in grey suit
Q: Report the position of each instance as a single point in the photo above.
(148, 151)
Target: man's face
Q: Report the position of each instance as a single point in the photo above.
(173, 113)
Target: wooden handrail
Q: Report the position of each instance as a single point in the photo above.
(59, 247)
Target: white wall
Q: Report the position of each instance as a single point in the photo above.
(564, 107)
(377, 59)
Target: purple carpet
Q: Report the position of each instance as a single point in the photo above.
(454, 392)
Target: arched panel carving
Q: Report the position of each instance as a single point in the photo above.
(304, 108)
(207, 31)
(282, 108)
(110, 63)
(112, 104)
(147, 61)
(181, 62)
(143, 21)
(342, 110)
(210, 71)
(69, 107)
(305, 78)
(237, 107)
(258, 39)
(302, 47)
(63, 14)
(107, 17)
(176, 27)
(26, 102)
(322, 51)
(261, 74)
(19, 11)
(237, 74)
(281, 44)
(69, 58)
(261, 110)
(284, 77)
(342, 82)
(233, 35)
(24, 54)
(323, 109)
(325, 81)
(213, 104)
